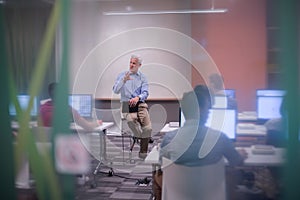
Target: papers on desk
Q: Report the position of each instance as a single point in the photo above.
(262, 149)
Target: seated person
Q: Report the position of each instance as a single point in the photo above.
(276, 134)
(132, 85)
(46, 112)
(216, 85)
(184, 146)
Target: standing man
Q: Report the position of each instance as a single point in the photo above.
(133, 86)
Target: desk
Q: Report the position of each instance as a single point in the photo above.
(247, 116)
(276, 159)
(23, 176)
(101, 128)
(153, 156)
(270, 160)
(248, 134)
(15, 124)
(167, 128)
(73, 126)
(252, 130)
(253, 160)
(257, 130)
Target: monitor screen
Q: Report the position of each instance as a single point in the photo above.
(220, 101)
(181, 118)
(230, 93)
(23, 101)
(223, 120)
(269, 103)
(272, 93)
(83, 103)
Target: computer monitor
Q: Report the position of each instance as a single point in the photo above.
(83, 103)
(269, 103)
(230, 93)
(23, 101)
(220, 101)
(223, 120)
(181, 118)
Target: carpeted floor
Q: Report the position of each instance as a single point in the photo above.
(119, 176)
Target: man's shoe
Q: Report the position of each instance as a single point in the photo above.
(151, 140)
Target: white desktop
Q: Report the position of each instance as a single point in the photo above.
(254, 159)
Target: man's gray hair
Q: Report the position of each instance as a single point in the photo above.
(139, 58)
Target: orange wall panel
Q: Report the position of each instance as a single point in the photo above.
(236, 41)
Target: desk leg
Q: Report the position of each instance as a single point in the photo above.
(102, 153)
(103, 145)
(156, 189)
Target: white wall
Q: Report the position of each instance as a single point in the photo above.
(101, 47)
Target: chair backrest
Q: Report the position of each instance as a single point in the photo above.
(193, 183)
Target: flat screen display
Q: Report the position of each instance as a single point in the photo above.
(219, 119)
(269, 103)
(220, 101)
(230, 93)
(223, 120)
(181, 118)
(83, 103)
(23, 101)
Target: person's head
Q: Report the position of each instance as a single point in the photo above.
(135, 63)
(189, 106)
(204, 101)
(216, 82)
(283, 107)
(51, 89)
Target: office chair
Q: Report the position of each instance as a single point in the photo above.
(190, 183)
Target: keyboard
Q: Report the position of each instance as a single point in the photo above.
(262, 149)
(246, 126)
